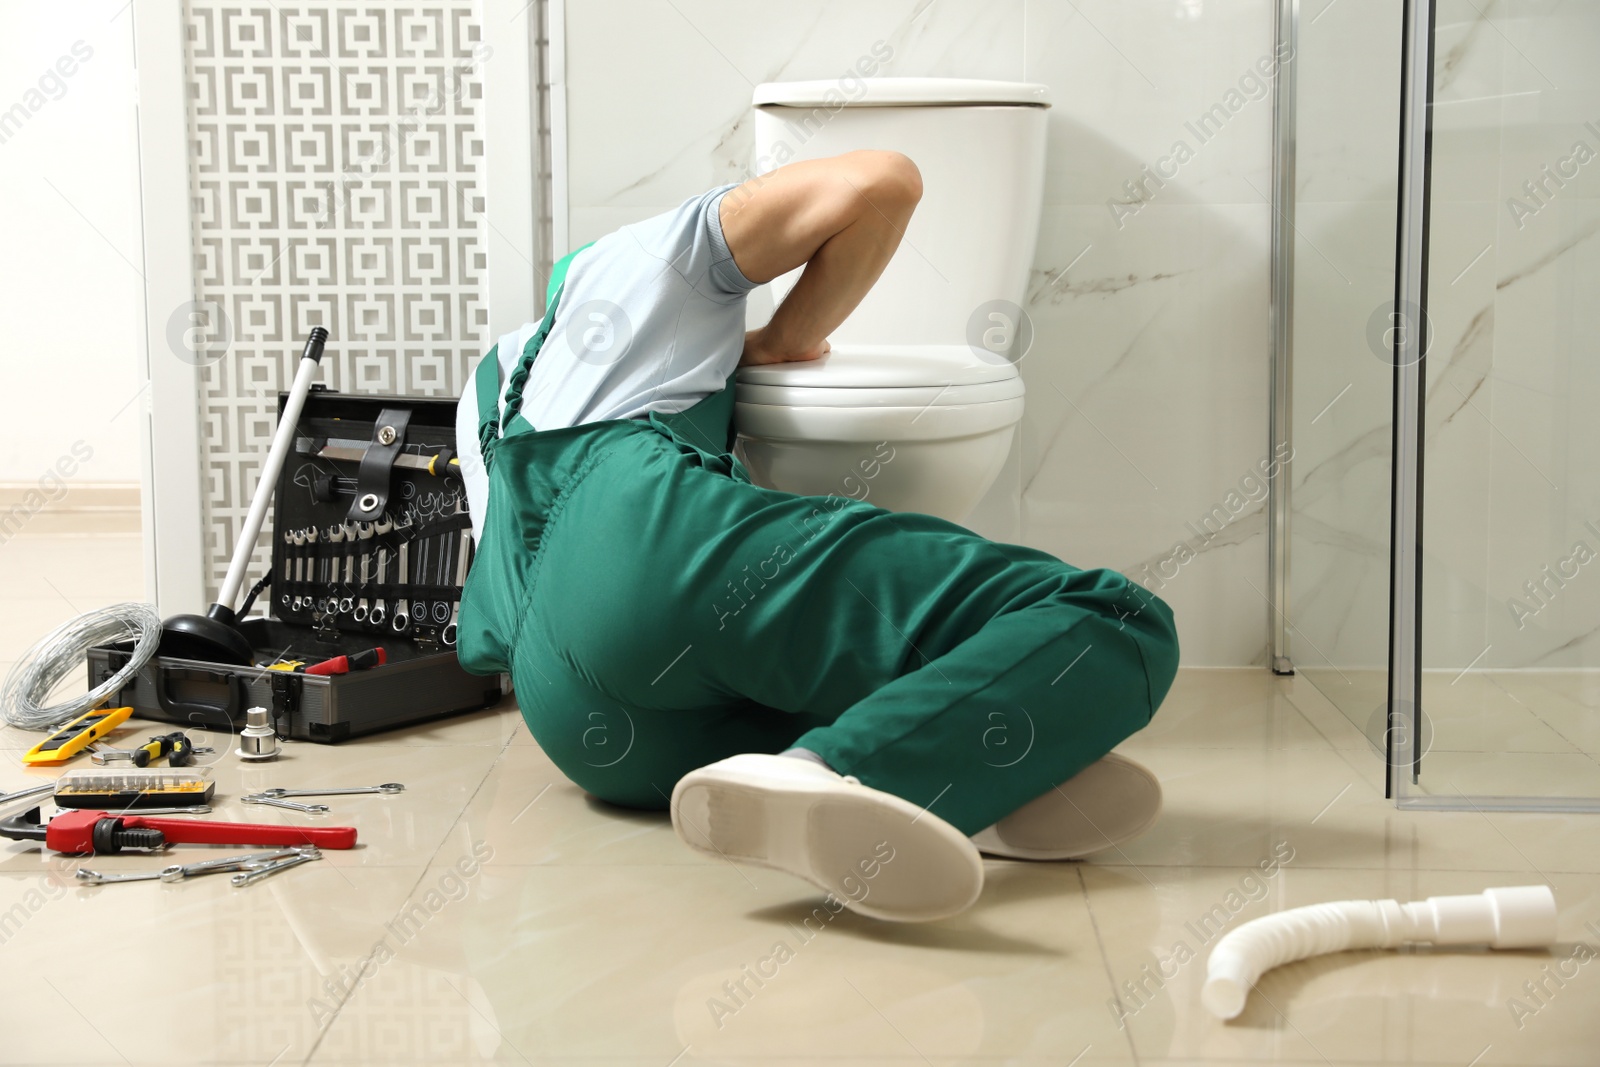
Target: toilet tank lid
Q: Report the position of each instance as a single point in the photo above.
(886, 367)
(901, 92)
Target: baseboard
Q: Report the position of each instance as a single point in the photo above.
(71, 507)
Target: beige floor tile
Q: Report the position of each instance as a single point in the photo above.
(1229, 807)
(518, 727)
(1549, 842)
(489, 726)
(1536, 774)
(690, 1057)
(1229, 709)
(1566, 701)
(191, 972)
(537, 816)
(1311, 693)
(552, 961)
(1462, 712)
(1480, 711)
(1444, 1006)
(1359, 695)
(1472, 713)
(1581, 687)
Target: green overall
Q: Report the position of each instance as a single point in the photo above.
(658, 612)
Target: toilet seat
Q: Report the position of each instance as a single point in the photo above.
(856, 392)
(923, 428)
(869, 367)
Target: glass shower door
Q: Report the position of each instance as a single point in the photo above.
(1347, 68)
(1509, 492)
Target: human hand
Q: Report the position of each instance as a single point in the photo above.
(760, 347)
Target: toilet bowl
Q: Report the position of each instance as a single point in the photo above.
(923, 428)
(915, 408)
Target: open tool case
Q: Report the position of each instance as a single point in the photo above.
(371, 542)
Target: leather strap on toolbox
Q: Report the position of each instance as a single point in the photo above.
(372, 479)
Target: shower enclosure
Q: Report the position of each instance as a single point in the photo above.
(1436, 557)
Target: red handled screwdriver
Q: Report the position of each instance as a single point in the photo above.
(356, 661)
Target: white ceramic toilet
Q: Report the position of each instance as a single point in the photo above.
(916, 406)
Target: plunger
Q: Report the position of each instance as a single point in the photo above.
(214, 636)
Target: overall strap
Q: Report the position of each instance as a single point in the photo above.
(486, 378)
(486, 382)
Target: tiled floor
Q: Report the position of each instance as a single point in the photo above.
(494, 914)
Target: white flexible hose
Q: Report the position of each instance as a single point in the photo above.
(1510, 917)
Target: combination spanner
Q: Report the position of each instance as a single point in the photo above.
(177, 872)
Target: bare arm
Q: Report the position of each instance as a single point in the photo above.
(842, 217)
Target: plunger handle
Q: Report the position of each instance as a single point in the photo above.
(245, 546)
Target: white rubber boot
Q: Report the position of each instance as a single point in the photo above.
(1108, 802)
(880, 855)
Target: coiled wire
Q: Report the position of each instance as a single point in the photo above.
(36, 675)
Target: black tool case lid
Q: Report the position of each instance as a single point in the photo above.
(371, 539)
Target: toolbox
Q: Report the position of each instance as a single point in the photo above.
(371, 543)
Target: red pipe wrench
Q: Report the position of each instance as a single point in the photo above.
(102, 832)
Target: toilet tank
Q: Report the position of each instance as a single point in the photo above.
(980, 147)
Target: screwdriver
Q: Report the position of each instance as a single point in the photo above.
(356, 661)
(182, 752)
(174, 745)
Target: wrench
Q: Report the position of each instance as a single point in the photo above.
(288, 567)
(379, 611)
(306, 855)
(279, 802)
(301, 555)
(402, 613)
(463, 560)
(364, 532)
(348, 604)
(179, 871)
(386, 787)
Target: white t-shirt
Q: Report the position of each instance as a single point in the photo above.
(651, 318)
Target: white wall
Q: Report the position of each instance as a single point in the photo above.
(70, 286)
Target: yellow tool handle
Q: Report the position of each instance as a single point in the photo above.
(75, 736)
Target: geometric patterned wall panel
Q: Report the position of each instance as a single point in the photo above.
(336, 180)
